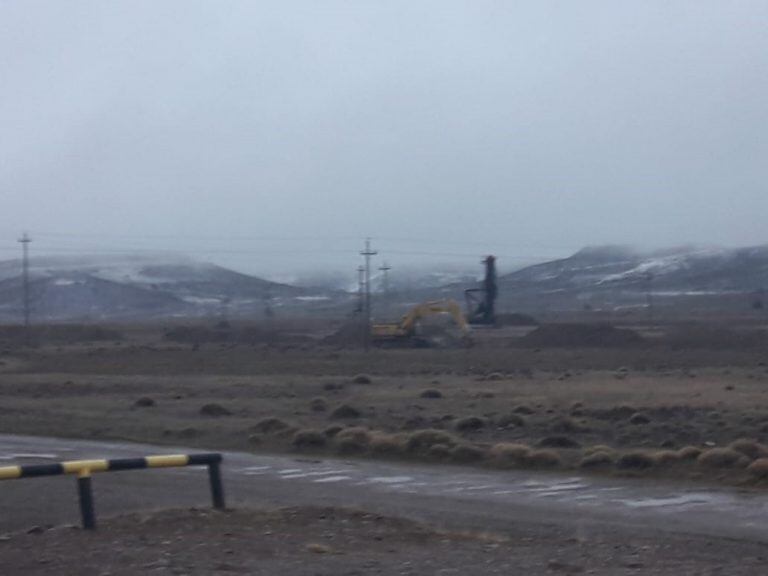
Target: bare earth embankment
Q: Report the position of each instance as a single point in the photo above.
(325, 541)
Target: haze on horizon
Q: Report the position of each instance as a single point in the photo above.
(274, 137)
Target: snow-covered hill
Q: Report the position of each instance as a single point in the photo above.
(130, 286)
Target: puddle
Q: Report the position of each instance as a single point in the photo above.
(682, 500)
(329, 479)
(389, 479)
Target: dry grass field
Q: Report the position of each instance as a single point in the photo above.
(693, 412)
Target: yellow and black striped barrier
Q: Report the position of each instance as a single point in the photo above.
(84, 469)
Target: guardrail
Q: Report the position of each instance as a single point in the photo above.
(85, 468)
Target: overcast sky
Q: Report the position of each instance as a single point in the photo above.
(274, 136)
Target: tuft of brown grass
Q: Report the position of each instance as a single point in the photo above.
(689, 452)
(469, 424)
(558, 442)
(439, 452)
(318, 404)
(544, 459)
(387, 444)
(309, 439)
(509, 454)
(636, 460)
(424, 439)
(345, 411)
(511, 420)
(331, 431)
(752, 449)
(666, 457)
(362, 379)
(598, 448)
(759, 468)
(466, 453)
(352, 440)
(270, 426)
(431, 393)
(598, 459)
(722, 458)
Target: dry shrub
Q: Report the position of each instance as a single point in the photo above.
(639, 418)
(214, 410)
(566, 425)
(356, 433)
(509, 454)
(331, 431)
(469, 424)
(722, 458)
(510, 420)
(345, 411)
(465, 453)
(352, 440)
(598, 459)
(270, 426)
(387, 444)
(599, 448)
(318, 404)
(362, 379)
(759, 468)
(319, 548)
(636, 460)
(558, 442)
(309, 439)
(665, 457)
(424, 439)
(524, 410)
(439, 452)
(544, 459)
(431, 393)
(144, 402)
(752, 449)
(689, 452)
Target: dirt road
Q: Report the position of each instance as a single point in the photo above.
(451, 497)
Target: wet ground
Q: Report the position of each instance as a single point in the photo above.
(451, 497)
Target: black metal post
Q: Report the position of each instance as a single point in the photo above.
(217, 488)
(86, 502)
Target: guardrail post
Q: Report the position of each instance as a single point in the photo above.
(86, 500)
(217, 488)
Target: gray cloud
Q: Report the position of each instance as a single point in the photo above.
(277, 135)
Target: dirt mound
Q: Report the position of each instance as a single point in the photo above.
(573, 335)
(349, 334)
(710, 336)
(58, 333)
(516, 319)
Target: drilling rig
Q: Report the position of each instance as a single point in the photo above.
(481, 302)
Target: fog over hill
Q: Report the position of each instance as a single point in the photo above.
(608, 278)
(140, 286)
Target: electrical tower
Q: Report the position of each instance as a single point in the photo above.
(24, 241)
(367, 253)
(360, 289)
(385, 268)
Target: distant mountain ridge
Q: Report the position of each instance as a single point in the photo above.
(614, 276)
(115, 287)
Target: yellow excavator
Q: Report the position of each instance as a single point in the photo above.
(412, 331)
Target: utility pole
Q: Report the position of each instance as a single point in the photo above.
(649, 295)
(24, 241)
(360, 289)
(385, 268)
(367, 253)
